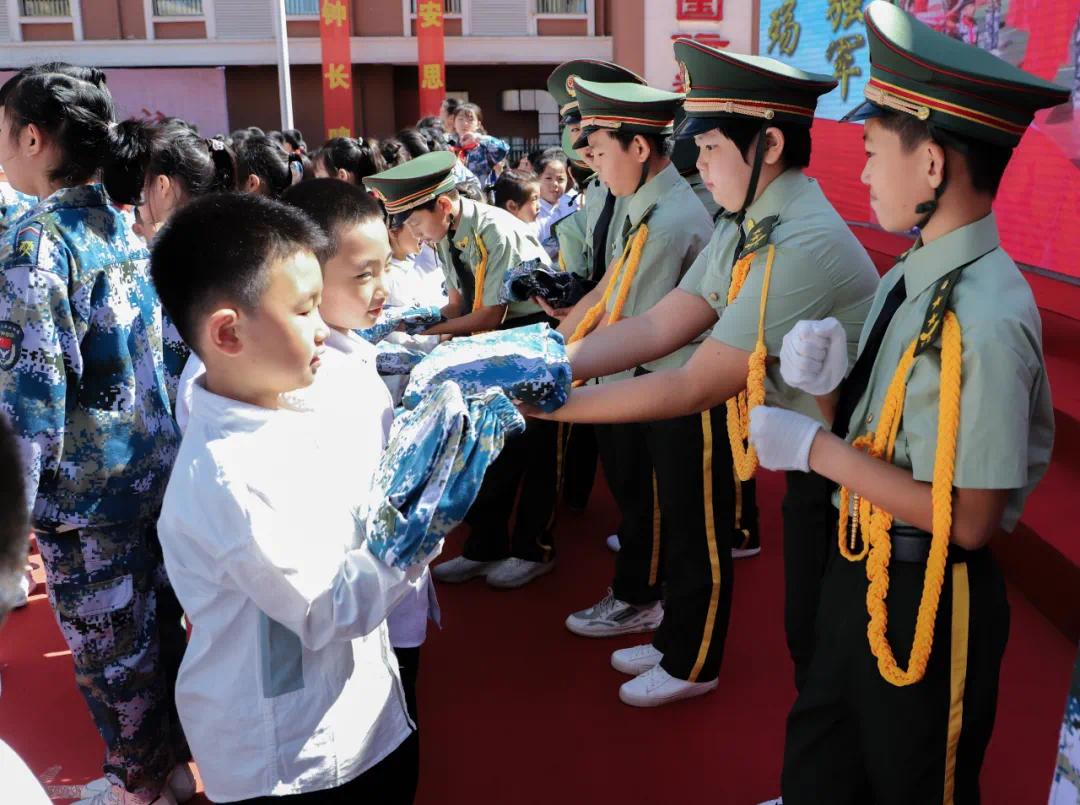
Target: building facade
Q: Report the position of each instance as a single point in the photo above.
(214, 61)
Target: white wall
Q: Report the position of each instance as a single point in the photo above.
(660, 25)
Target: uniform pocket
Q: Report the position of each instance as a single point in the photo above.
(98, 619)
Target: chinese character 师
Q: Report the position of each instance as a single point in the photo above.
(431, 76)
(430, 13)
(783, 30)
(334, 13)
(841, 55)
(336, 75)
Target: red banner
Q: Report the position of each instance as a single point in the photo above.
(431, 55)
(334, 29)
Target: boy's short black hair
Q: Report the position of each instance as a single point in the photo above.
(332, 204)
(220, 248)
(797, 140)
(659, 144)
(986, 162)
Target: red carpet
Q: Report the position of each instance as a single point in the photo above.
(515, 709)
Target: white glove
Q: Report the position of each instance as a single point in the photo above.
(782, 438)
(814, 356)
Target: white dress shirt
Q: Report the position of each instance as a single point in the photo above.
(289, 683)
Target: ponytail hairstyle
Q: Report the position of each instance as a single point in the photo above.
(262, 157)
(141, 151)
(295, 140)
(359, 157)
(517, 187)
(394, 152)
(71, 106)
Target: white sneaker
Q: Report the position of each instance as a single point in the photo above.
(461, 569)
(636, 659)
(22, 597)
(181, 782)
(611, 617)
(116, 795)
(656, 687)
(512, 573)
(613, 543)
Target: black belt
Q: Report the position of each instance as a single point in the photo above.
(912, 545)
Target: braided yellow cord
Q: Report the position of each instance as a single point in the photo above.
(875, 523)
(629, 260)
(562, 262)
(481, 275)
(739, 407)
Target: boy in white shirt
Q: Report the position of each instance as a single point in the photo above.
(348, 395)
(289, 691)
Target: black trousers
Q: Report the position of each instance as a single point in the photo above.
(580, 473)
(387, 783)
(810, 523)
(533, 463)
(853, 738)
(409, 667)
(628, 468)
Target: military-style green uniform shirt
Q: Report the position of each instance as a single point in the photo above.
(819, 270)
(507, 242)
(570, 233)
(1006, 416)
(679, 228)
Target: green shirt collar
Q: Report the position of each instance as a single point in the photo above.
(651, 192)
(928, 263)
(465, 225)
(776, 196)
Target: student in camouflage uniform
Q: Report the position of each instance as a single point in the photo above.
(83, 381)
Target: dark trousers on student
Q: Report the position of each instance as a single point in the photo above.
(409, 667)
(580, 466)
(675, 486)
(853, 737)
(385, 783)
(532, 462)
(810, 522)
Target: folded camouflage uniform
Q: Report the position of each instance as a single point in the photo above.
(397, 359)
(414, 319)
(556, 287)
(432, 469)
(528, 363)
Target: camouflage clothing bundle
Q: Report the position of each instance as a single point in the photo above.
(432, 469)
(85, 361)
(397, 359)
(412, 320)
(528, 363)
(534, 278)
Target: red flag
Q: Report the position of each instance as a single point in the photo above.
(431, 55)
(334, 28)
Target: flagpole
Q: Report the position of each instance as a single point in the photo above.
(281, 35)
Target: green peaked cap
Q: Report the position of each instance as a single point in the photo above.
(724, 85)
(634, 108)
(957, 87)
(561, 82)
(416, 182)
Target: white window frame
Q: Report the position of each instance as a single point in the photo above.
(74, 19)
(314, 16)
(589, 16)
(207, 18)
(408, 16)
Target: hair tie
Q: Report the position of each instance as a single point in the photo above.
(214, 144)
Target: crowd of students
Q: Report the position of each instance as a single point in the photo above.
(197, 415)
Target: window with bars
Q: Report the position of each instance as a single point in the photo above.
(302, 8)
(562, 7)
(45, 8)
(178, 8)
(449, 6)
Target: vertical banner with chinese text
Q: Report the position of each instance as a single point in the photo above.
(431, 55)
(334, 29)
